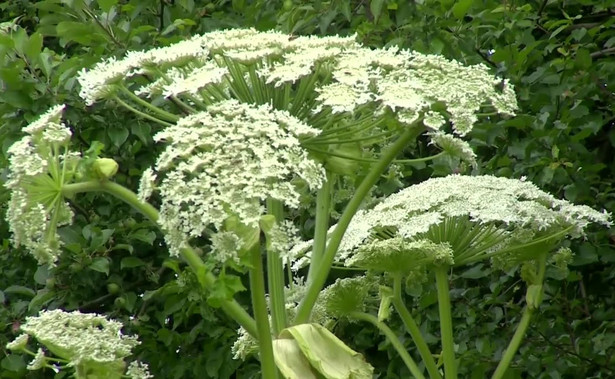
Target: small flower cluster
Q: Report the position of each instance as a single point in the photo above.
(227, 161)
(82, 339)
(39, 164)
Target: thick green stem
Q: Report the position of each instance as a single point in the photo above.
(230, 307)
(275, 275)
(446, 322)
(390, 335)
(322, 271)
(414, 330)
(259, 305)
(321, 225)
(523, 325)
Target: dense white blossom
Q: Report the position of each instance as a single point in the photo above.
(454, 146)
(38, 165)
(228, 161)
(146, 184)
(38, 361)
(509, 205)
(18, 343)
(80, 337)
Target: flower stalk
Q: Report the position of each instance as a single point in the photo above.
(446, 322)
(524, 323)
(230, 307)
(322, 270)
(413, 329)
(393, 339)
(259, 305)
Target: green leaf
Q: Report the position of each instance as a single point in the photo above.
(461, 8)
(20, 290)
(290, 360)
(475, 272)
(105, 5)
(13, 362)
(41, 274)
(327, 353)
(33, 48)
(42, 297)
(375, 6)
(117, 135)
(100, 264)
(131, 262)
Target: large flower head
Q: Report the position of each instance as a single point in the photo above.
(39, 164)
(226, 162)
(352, 93)
(461, 219)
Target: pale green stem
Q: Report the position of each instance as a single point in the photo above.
(413, 329)
(230, 307)
(322, 271)
(390, 335)
(259, 306)
(321, 225)
(185, 107)
(166, 116)
(522, 327)
(275, 274)
(446, 322)
(139, 113)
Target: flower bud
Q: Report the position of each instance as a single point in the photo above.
(104, 168)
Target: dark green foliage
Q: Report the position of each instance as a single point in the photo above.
(558, 55)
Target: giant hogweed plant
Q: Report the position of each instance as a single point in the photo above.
(252, 123)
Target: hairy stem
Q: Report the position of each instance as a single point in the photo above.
(259, 305)
(322, 271)
(413, 329)
(522, 327)
(446, 322)
(230, 307)
(390, 335)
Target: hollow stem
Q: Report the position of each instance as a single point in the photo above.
(275, 275)
(446, 322)
(413, 329)
(390, 335)
(321, 226)
(261, 315)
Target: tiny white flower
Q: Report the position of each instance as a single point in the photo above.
(38, 361)
(18, 343)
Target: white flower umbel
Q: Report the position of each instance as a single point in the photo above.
(505, 210)
(227, 161)
(80, 337)
(138, 370)
(39, 164)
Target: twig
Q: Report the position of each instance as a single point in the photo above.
(610, 50)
